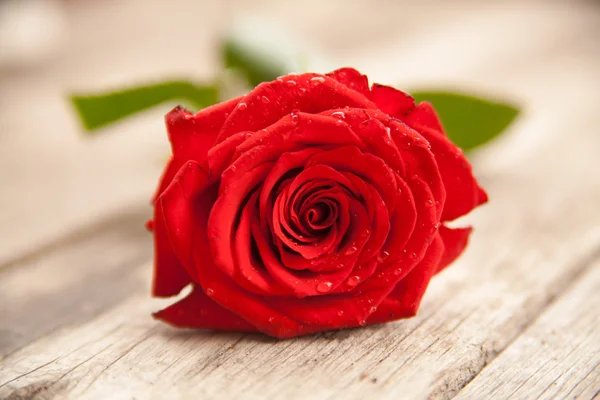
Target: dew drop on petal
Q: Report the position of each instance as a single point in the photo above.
(413, 255)
(317, 80)
(397, 271)
(353, 281)
(242, 106)
(324, 287)
(340, 313)
(339, 114)
(265, 99)
(210, 292)
(271, 320)
(363, 322)
(291, 83)
(383, 256)
(351, 250)
(373, 309)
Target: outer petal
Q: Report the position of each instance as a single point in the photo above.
(169, 274)
(352, 79)
(191, 185)
(423, 115)
(270, 101)
(463, 193)
(455, 241)
(404, 300)
(391, 101)
(197, 310)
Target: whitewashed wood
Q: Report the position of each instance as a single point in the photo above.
(525, 253)
(532, 242)
(557, 357)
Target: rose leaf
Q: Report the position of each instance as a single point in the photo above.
(469, 121)
(98, 110)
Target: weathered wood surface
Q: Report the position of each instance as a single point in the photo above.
(74, 319)
(556, 357)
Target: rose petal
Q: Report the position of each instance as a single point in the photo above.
(191, 136)
(390, 100)
(463, 193)
(352, 79)
(198, 311)
(455, 241)
(367, 166)
(406, 296)
(423, 115)
(311, 93)
(169, 275)
(224, 215)
(191, 185)
(250, 272)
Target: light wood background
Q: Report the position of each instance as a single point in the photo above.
(517, 317)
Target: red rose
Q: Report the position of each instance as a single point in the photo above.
(314, 202)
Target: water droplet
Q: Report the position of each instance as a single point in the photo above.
(373, 309)
(413, 255)
(353, 281)
(367, 232)
(363, 322)
(210, 292)
(339, 122)
(265, 99)
(437, 226)
(291, 83)
(340, 313)
(271, 320)
(313, 262)
(248, 135)
(351, 250)
(317, 80)
(389, 132)
(302, 90)
(339, 114)
(324, 287)
(380, 275)
(294, 118)
(242, 106)
(430, 202)
(383, 256)
(397, 271)
(233, 167)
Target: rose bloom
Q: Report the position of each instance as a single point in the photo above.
(314, 202)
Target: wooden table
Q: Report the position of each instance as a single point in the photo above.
(517, 317)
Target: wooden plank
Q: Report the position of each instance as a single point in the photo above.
(524, 254)
(557, 357)
(56, 290)
(533, 240)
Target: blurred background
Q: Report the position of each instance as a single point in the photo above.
(55, 180)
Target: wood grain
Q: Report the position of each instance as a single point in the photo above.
(74, 318)
(557, 357)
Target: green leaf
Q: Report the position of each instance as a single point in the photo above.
(98, 110)
(468, 120)
(257, 66)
